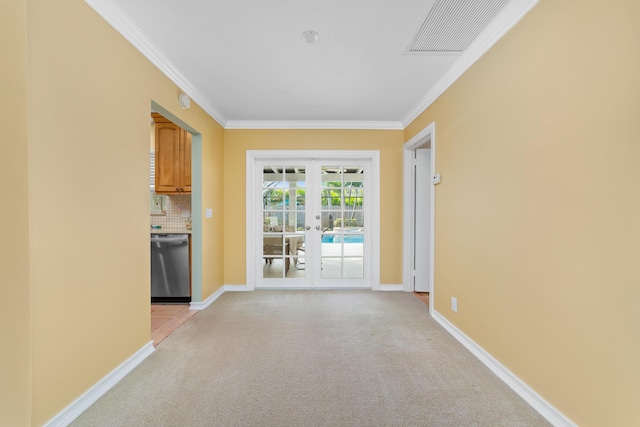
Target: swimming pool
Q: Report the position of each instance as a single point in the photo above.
(347, 238)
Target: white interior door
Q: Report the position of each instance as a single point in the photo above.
(421, 240)
(313, 222)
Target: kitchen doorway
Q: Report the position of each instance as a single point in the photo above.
(180, 213)
(196, 205)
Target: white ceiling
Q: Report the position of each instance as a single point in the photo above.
(245, 63)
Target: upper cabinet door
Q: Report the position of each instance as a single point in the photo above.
(173, 157)
(185, 175)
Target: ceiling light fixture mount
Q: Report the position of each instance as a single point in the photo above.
(310, 36)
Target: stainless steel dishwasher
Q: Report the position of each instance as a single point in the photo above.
(170, 268)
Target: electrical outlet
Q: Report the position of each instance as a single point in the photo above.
(454, 304)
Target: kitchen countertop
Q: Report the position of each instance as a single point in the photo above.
(170, 231)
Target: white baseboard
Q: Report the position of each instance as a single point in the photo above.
(390, 288)
(207, 302)
(237, 288)
(536, 401)
(225, 288)
(88, 398)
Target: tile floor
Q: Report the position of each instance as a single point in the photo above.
(166, 318)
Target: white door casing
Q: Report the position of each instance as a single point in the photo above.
(426, 138)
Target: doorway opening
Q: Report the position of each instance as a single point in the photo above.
(176, 220)
(313, 219)
(419, 213)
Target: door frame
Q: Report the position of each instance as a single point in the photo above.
(426, 137)
(252, 156)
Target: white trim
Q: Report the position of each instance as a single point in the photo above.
(207, 302)
(89, 397)
(537, 402)
(224, 288)
(428, 134)
(432, 222)
(236, 288)
(313, 124)
(393, 288)
(116, 17)
(509, 17)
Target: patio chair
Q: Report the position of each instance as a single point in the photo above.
(273, 246)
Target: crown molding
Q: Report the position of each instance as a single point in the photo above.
(313, 124)
(115, 17)
(509, 17)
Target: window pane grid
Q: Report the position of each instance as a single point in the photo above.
(342, 217)
(283, 207)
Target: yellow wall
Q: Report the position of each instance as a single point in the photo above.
(212, 197)
(15, 321)
(89, 97)
(537, 215)
(237, 142)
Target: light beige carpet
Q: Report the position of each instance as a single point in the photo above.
(311, 358)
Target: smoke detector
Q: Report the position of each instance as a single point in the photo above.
(310, 36)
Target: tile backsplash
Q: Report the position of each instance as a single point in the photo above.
(176, 205)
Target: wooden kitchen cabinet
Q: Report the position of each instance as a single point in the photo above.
(173, 157)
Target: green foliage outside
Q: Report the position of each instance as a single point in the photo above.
(348, 222)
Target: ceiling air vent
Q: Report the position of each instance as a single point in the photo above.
(452, 25)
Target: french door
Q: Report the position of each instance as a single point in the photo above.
(313, 222)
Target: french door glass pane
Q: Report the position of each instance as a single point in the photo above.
(353, 268)
(342, 218)
(283, 196)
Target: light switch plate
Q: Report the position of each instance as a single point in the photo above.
(208, 213)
